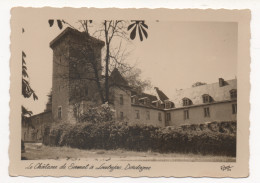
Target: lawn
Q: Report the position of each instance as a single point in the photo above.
(39, 151)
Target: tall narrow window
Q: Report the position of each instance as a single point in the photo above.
(59, 112)
(77, 91)
(86, 91)
(160, 116)
(121, 99)
(137, 114)
(206, 112)
(234, 108)
(186, 114)
(168, 116)
(82, 107)
(147, 115)
(121, 115)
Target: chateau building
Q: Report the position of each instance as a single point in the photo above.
(77, 82)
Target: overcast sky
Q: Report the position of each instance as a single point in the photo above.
(175, 55)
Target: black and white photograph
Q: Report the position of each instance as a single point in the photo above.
(127, 90)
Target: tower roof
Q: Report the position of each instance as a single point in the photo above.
(117, 79)
(75, 32)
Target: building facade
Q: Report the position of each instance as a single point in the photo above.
(77, 82)
(205, 103)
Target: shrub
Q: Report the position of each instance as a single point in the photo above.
(217, 139)
(98, 114)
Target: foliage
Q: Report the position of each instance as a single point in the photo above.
(115, 135)
(27, 91)
(133, 77)
(25, 116)
(98, 114)
(140, 26)
(59, 23)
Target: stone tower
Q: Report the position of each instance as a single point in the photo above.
(76, 66)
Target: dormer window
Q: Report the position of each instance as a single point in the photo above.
(233, 94)
(156, 103)
(169, 104)
(206, 98)
(145, 101)
(134, 99)
(186, 102)
(148, 101)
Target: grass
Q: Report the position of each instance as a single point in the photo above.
(39, 151)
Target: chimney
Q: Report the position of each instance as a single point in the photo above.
(221, 82)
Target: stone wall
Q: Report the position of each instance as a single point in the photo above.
(35, 131)
(73, 74)
(60, 79)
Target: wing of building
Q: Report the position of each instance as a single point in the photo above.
(77, 84)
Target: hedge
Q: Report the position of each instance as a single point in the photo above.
(216, 138)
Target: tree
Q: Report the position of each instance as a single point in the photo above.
(25, 115)
(27, 91)
(108, 30)
(133, 77)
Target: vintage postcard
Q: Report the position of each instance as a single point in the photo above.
(129, 92)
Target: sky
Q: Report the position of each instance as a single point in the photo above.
(174, 56)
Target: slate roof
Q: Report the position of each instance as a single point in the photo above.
(217, 93)
(74, 32)
(142, 95)
(161, 95)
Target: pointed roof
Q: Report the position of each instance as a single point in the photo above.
(161, 95)
(117, 79)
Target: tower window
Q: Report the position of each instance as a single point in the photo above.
(86, 91)
(59, 112)
(121, 115)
